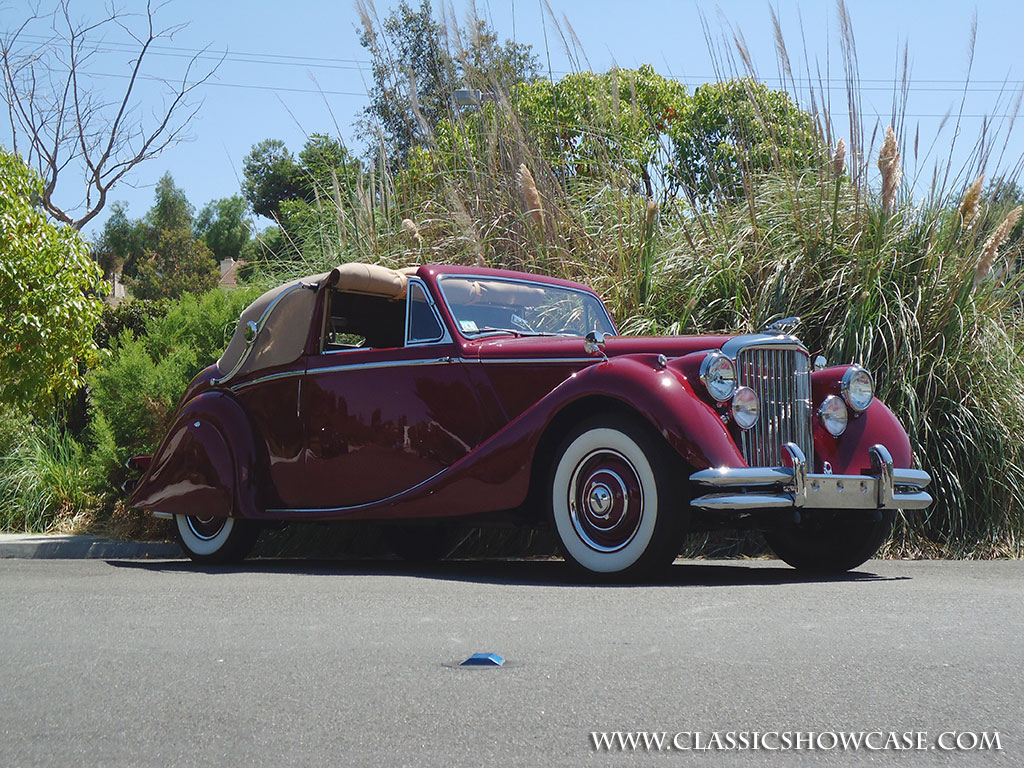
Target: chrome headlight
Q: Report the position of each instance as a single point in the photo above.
(858, 388)
(745, 407)
(833, 415)
(719, 376)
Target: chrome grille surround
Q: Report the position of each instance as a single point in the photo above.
(778, 369)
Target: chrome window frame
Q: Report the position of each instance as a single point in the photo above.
(445, 337)
(539, 283)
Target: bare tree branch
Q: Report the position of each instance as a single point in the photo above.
(63, 122)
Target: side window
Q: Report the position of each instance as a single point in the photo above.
(423, 325)
(359, 321)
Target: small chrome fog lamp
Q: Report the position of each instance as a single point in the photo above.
(746, 408)
(833, 415)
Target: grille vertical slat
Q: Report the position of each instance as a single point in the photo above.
(780, 377)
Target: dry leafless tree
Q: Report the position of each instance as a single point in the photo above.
(72, 130)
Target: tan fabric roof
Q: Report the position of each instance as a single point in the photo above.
(284, 314)
(368, 278)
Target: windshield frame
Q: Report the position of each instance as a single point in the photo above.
(543, 284)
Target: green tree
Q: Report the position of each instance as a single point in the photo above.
(171, 208)
(222, 227)
(417, 63)
(178, 263)
(734, 128)
(587, 124)
(48, 300)
(324, 161)
(271, 176)
(121, 244)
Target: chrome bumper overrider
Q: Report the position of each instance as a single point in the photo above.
(750, 488)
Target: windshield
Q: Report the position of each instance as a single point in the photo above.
(483, 305)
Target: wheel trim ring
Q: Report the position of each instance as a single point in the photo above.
(205, 528)
(624, 508)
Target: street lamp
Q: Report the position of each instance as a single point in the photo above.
(467, 97)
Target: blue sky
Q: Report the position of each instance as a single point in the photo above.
(297, 68)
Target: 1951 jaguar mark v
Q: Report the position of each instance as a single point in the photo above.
(438, 395)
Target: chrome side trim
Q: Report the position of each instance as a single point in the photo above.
(752, 488)
(409, 363)
(350, 367)
(538, 360)
(365, 504)
(269, 377)
(381, 364)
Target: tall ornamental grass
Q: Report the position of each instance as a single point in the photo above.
(910, 268)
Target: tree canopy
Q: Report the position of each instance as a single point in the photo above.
(48, 296)
(417, 62)
(167, 252)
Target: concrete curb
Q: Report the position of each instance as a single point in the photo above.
(33, 546)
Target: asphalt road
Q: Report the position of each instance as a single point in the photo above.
(280, 663)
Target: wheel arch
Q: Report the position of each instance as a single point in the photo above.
(560, 426)
(207, 460)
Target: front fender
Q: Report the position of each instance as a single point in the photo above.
(849, 454)
(206, 464)
(665, 397)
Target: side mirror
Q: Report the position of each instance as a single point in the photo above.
(594, 343)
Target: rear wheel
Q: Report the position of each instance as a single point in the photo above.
(616, 498)
(826, 544)
(210, 539)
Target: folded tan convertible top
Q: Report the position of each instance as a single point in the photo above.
(283, 314)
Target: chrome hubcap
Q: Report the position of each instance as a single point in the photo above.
(606, 500)
(600, 500)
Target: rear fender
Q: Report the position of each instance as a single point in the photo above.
(206, 464)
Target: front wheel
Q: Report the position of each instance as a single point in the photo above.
(215, 539)
(616, 499)
(826, 544)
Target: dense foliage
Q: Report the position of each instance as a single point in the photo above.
(716, 210)
(48, 297)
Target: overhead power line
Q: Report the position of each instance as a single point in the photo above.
(923, 85)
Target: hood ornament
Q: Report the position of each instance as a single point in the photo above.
(784, 326)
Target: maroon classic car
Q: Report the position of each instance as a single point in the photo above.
(436, 395)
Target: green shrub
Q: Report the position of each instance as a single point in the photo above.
(44, 477)
(133, 393)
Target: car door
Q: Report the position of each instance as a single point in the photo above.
(386, 403)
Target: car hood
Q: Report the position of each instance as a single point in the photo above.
(563, 347)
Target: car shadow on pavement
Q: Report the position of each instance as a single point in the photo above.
(527, 572)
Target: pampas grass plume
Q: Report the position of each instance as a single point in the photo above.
(412, 230)
(889, 165)
(991, 247)
(969, 206)
(839, 159)
(528, 189)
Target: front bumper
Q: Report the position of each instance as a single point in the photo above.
(750, 488)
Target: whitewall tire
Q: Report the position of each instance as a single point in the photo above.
(211, 539)
(615, 503)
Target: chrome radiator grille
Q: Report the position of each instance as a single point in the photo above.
(781, 378)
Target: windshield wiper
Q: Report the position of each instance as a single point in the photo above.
(517, 334)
